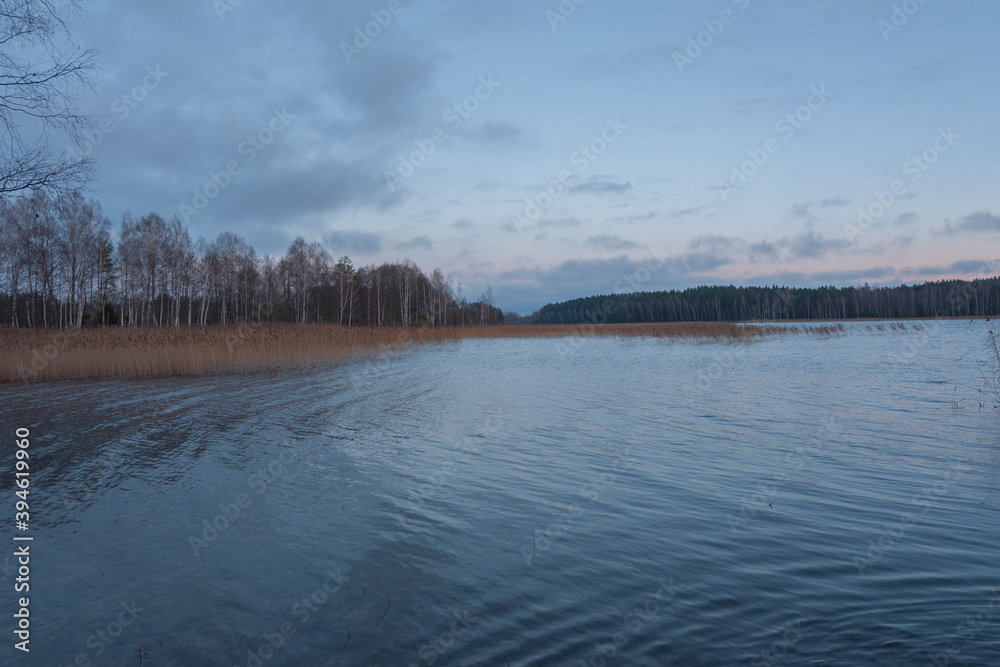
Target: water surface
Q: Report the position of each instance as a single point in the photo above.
(801, 500)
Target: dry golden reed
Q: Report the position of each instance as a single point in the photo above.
(44, 355)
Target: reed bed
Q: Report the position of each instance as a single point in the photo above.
(47, 355)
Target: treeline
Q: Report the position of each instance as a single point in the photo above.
(62, 266)
(949, 298)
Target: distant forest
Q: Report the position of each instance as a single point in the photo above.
(949, 298)
(62, 266)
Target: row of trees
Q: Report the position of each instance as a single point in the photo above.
(62, 266)
(950, 298)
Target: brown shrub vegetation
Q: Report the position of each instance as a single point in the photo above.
(39, 355)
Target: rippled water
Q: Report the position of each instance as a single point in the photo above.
(803, 500)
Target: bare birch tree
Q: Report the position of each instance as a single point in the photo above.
(43, 75)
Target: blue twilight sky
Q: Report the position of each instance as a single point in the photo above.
(723, 141)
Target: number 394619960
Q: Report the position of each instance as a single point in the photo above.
(22, 475)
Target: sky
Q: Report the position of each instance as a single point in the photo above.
(556, 150)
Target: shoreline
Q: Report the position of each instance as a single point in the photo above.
(874, 319)
(45, 355)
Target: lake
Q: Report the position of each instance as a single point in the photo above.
(578, 501)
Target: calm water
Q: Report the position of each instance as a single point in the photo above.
(804, 500)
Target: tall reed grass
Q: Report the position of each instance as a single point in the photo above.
(44, 355)
(991, 375)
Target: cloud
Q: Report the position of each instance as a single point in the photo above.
(590, 273)
(599, 65)
(972, 266)
(922, 73)
(984, 221)
(782, 78)
(463, 224)
(549, 223)
(224, 81)
(611, 242)
(684, 212)
(927, 72)
(894, 245)
(317, 187)
(708, 252)
(362, 243)
(716, 244)
(525, 289)
(906, 218)
(853, 276)
(420, 242)
(763, 251)
(601, 185)
(633, 219)
(541, 225)
(801, 211)
(754, 104)
(496, 132)
(965, 267)
(804, 210)
(812, 245)
(488, 185)
(386, 90)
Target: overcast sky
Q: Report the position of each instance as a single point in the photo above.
(554, 150)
